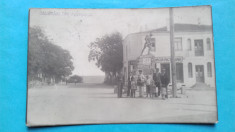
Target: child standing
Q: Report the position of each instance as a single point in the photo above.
(133, 87)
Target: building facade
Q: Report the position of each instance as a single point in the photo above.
(194, 53)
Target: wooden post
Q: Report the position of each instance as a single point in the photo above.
(173, 65)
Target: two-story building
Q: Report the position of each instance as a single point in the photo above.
(194, 52)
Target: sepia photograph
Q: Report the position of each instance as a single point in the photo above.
(109, 66)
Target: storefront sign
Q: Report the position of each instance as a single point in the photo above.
(168, 59)
(146, 61)
(146, 69)
(143, 67)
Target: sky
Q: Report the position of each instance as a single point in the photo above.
(75, 29)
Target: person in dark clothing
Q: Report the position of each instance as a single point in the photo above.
(129, 84)
(157, 81)
(120, 84)
(164, 81)
(148, 86)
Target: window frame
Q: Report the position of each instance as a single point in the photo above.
(209, 69)
(190, 70)
(199, 52)
(189, 44)
(177, 44)
(208, 43)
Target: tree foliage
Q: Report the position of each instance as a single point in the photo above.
(46, 58)
(107, 52)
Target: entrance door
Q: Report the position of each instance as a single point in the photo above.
(167, 67)
(199, 73)
(179, 72)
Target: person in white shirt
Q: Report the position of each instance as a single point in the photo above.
(140, 83)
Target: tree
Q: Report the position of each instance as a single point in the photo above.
(47, 59)
(107, 52)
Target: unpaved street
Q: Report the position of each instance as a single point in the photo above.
(97, 103)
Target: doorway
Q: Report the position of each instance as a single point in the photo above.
(199, 73)
(179, 72)
(167, 67)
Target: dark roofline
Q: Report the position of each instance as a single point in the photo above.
(183, 28)
(179, 28)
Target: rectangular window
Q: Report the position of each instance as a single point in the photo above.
(189, 45)
(178, 44)
(199, 50)
(209, 71)
(208, 42)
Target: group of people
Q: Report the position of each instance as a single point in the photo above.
(155, 84)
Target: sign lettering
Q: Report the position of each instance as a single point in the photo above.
(168, 59)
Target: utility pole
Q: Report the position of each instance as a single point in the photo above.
(173, 65)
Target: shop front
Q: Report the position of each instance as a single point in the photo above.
(149, 63)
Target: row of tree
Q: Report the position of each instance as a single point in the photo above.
(47, 61)
(107, 52)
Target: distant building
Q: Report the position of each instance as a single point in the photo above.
(194, 52)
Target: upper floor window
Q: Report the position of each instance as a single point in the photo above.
(198, 45)
(209, 69)
(178, 44)
(189, 44)
(190, 70)
(208, 43)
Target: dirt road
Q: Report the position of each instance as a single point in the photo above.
(97, 103)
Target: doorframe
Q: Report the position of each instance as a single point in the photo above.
(203, 77)
(160, 70)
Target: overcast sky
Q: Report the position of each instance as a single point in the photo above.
(74, 29)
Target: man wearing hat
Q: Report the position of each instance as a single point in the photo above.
(164, 81)
(157, 80)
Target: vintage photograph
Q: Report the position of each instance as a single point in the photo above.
(105, 66)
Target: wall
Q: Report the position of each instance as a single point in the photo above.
(134, 43)
(197, 60)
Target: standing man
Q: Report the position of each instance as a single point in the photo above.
(120, 84)
(157, 80)
(165, 81)
(148, 85)
(140, 83)
(129, 84)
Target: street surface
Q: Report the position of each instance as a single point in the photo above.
(97, 103)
